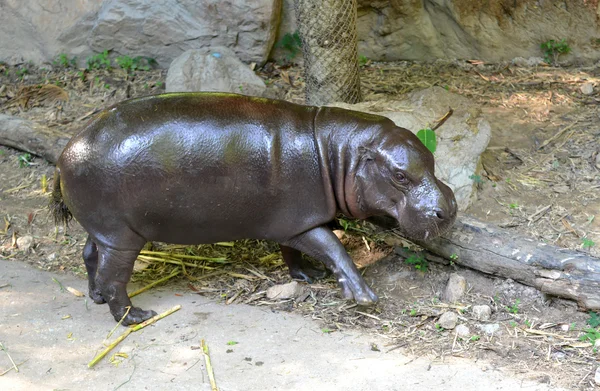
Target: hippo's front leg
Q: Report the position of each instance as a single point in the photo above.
(320, 243)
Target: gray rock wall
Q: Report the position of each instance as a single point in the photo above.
(493, 30)
(161, 29)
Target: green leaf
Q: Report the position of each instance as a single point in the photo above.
(594, 319)
(427, 137)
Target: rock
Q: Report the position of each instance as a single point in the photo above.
(448, 320)
(214, 69)
(461, 139)
(598, 161)
(52, 257)
(165, 29)
(489, 328)
(25, 243)
(597, 376)
(290, 290)
(462, 330)
(482, 312)
(387, 30)
(587, 88)
(455, 288)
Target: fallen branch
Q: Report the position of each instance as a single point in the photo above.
(15, 367)
(209, 368)
(552, 270)
(130, 330)
(153, 284)
(11, 368)
(32, 137)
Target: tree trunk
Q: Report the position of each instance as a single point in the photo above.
(327, 29)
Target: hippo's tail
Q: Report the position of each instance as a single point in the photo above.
(57, 206)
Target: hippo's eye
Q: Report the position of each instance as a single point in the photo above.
(400, 177)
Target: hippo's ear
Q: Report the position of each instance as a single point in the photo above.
(366, 154)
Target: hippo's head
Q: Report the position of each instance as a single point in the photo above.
(394, 177)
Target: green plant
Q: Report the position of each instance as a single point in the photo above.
(513, 205)
(21, 72)
(291, 44)
(477, 179)
(326, 331)
(515, 307)
(552, 49)
(453, 257)
(231, 343)
(587, 243)
(594, 320)
(25, 160)
(418, 261)
(439, 327)
(413, 312)
(475, 338)
(98, 61)
(64, 61)
(590, 334)
(141, 63)
(527, 323)
(428, 138)
(363, 61)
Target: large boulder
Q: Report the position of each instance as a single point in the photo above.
(165, 29)
(213, 69)
(461, 139)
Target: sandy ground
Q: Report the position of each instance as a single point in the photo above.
(274, 350)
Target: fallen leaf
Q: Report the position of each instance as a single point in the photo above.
(75, 292)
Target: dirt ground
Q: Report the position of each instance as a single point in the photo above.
(540, 178)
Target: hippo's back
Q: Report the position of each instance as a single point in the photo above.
(196, 167)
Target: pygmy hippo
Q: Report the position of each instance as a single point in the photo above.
(194, 168)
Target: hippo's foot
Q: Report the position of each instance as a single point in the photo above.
(136, 315)
(307, 272)
(300, 268)
(356, 288)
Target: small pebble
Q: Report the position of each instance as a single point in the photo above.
(489, 328)
(25, 243)
(587, 88)
(482, 312)
(597, 376)
(462, 330)
(285, 291)
(448, 320)
(455, 289)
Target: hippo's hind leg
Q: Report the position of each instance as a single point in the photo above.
(115, 267)
(300, 268)
(90, 258)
